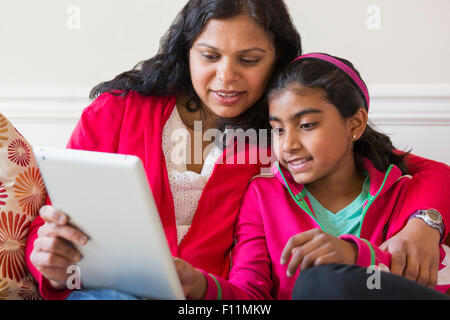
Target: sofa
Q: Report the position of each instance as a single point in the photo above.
(22, 193)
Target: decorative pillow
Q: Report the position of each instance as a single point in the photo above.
(22, 193)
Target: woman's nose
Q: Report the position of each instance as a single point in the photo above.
(227, 71)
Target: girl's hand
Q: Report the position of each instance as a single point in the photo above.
(316, 247)
(415, 252)
(192, 280)
(53, 250)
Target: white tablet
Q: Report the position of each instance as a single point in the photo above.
(107, 196)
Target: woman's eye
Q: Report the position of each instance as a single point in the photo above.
(308, 126)
(209, 56)
(249, 61)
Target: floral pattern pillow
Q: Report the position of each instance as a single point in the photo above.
(22, 193)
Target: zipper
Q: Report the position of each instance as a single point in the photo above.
(301, 202)
(299, 198)
(372, 199)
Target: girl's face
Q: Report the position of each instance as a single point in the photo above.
(311, 139)
(230, 64)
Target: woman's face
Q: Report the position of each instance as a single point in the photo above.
(311, 139)
(230, 64)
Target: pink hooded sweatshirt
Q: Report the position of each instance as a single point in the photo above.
(269, 216)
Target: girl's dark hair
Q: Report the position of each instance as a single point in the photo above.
(168, 72)
(343, 93)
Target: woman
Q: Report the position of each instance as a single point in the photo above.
(213, 66)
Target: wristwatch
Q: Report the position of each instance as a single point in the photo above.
(431, 217)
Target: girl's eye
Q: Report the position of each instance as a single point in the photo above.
(308, 126)
(278, 131)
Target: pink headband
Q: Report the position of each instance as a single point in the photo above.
(349, 71)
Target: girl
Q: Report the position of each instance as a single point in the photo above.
(213, 66)
(334, 195)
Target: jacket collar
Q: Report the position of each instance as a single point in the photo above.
(380, 181)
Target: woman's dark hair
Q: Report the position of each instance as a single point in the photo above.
(342, 92)
(168, 73)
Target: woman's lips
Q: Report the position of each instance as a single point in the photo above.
(228, 98)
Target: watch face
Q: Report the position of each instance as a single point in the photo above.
(434, 216)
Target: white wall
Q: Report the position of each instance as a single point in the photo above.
(52, 52)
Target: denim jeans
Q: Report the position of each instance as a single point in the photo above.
(100, 294)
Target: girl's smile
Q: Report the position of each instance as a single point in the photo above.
(299, 165)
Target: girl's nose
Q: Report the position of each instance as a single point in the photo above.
(291, 142)
(227, 72)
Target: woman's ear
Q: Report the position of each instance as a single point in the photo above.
(358, 124)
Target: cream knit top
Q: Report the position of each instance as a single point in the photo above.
(186, 186)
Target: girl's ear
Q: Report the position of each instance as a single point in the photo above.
(358, 124)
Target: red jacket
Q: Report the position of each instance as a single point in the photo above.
(134, 125)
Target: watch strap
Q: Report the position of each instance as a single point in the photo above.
(438, 226)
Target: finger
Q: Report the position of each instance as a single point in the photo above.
(297, 258)
(385, 245)
(310, 258)
(58, 275)
(412, 268)
(66, 232)
(434, 269)
(180, 265)
(424, 274)
(42, 259)
(299, 254)
(50, 214)
(398, 262)
(59, 247)
(327, 258)
(296, 241)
